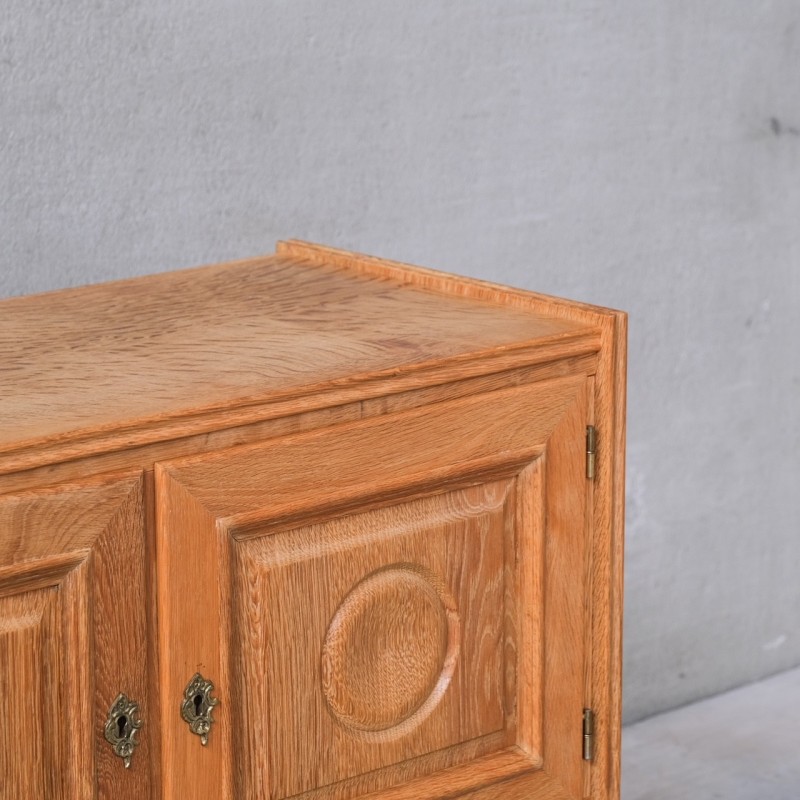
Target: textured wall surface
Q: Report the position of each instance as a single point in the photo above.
(644, 155)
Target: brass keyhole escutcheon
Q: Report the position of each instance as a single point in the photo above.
(197, 706)
(121, 727)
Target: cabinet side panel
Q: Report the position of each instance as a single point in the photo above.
(607, 558)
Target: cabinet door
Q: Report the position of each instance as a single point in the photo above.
(73, 635)
(393, 608)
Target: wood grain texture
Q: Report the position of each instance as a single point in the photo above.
(398, 662)
(282, 328)
(144, 456)
(500, 777)
(314, 515)
(609, 490)
(77, 554)
(566, 597)
(193, 564)
(227, 380)
(25, 692)
(323, 472)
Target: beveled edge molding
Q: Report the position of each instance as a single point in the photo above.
(83, 443)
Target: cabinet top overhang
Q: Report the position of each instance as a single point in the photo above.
(158, 357)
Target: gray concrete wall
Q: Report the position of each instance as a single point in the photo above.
(644, 155)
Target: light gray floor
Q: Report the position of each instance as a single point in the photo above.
(742, 745)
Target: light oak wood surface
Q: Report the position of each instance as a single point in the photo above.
(294, 534)
(73, 635)
(350, 491)
(160, 357)
(606, 559)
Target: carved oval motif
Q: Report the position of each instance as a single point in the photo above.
(390, 651)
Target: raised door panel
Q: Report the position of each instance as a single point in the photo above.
(393, 608)
(73, 635)
(400, 666)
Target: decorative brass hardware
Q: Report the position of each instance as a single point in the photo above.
(121, 727)
(588, 734)
(197, 706)
(591, 451)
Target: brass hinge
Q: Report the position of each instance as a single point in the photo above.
(588, 734)
(591, 451)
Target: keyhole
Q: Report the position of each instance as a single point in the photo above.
(122, 723)
(198, 701)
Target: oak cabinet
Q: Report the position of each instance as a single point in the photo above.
(338, 527)
(73, 620)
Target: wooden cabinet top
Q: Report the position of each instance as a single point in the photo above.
(147, 359)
